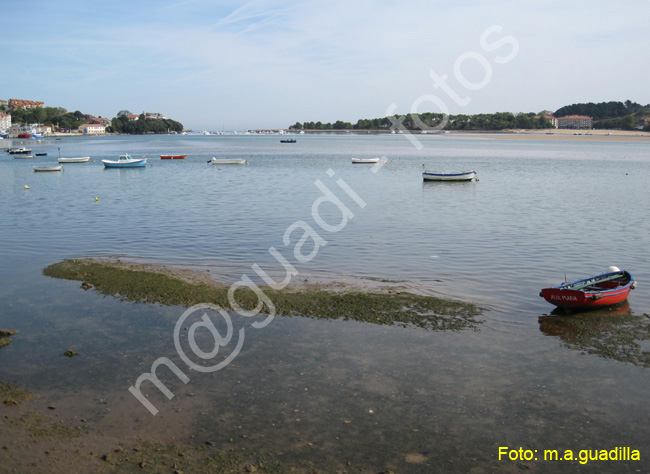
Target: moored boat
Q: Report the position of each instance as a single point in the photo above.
(228, 161)
(439, 176)
(23, 157)
(125, 161)
(19, 151)
(288, 140)
(80, 159)
(172, 157)
(598, 291)
(365, 160)
(48, 168)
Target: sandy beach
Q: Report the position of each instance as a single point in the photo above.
(563, 135)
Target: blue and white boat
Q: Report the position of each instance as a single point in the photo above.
(125, 161)
(428, 175)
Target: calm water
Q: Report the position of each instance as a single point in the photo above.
(540, 210)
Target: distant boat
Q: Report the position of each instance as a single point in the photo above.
(439, 176)
(48, 168)
(288, 140)
(365, 160)
(172, 157)
(228, 161)
(37, 135)
(125, 161)
(19, 151)
(40, 154)
(597, 291)
(23, 135)
(81, 159)
(23, 157)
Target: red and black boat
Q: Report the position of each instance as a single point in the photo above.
(594, 292)
(172, 157)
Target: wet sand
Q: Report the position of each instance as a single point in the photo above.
(562, 135)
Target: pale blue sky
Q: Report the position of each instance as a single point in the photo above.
(269, 63)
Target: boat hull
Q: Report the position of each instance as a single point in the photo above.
(48, 168)
(172, 157)
(604, 293)
(435, 176)
(228, 161)
(133, 163)
(368, 161)
(81, 159)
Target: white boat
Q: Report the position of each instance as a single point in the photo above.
(81, 159)
(19, 151)
(48, 168)
(228, 161)
(125, 161)
(365, 160)
(439, 176)
(23, 157)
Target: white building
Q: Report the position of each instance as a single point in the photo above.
(5, 121)
(92, 129)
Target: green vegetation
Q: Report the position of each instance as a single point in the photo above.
(378, 308)
(122, 124)
(614, 115)
(63, 120)
(56, 116)
(424, 121)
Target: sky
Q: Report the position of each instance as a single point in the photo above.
(270, 63)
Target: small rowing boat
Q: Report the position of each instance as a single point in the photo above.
(365, 160)
(48, 168)
(80, 159)
(228, 161)
(428, 175)
(288, 140)
(172, 157)
(598, 291)
(23, 157)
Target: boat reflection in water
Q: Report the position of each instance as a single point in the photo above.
(613, 333)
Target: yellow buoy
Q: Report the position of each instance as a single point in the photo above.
(26, 187)
(96, 198)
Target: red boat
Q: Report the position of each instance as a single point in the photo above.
(23, 135)
(172, 157)
(597, 291)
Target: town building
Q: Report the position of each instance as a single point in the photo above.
(575, 122)
(5, 121)
(92, 129)
(132, 117)
(15, 104)
(154, 115)
(97, 120)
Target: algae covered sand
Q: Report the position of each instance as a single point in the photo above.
(156, 284)
(10, 394)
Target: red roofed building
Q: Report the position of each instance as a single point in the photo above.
(15, 104)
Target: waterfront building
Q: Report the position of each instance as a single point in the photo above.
(575, 122)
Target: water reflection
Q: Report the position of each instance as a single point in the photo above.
(614, 333)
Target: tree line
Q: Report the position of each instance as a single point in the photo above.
(56, 116)
(612, 115)
(435, 121)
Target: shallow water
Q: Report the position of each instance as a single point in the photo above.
(540, 210)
